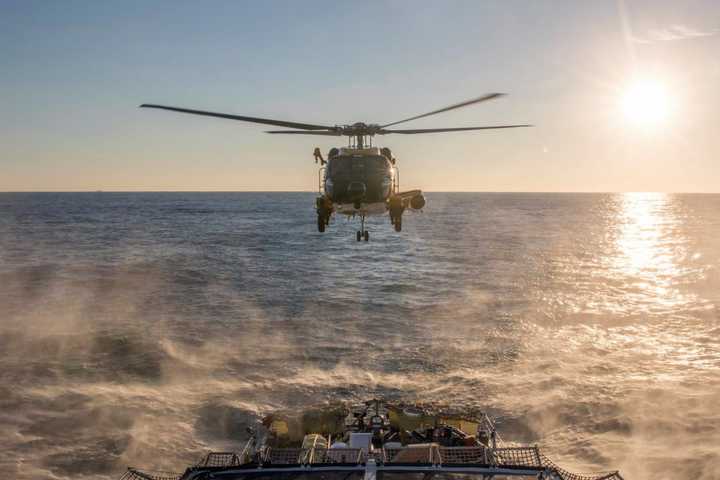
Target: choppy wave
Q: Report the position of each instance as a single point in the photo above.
(146, 329)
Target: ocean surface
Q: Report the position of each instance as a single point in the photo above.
(145, 329)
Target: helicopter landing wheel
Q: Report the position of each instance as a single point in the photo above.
(362, 234)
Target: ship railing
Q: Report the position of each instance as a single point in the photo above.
(516, 457)
(566, 475)
(411, 454)
(477, 455)
(220, 459)
(135, 474)
(312, 456)
(463, 455)
(324, 456)
(285, 456)
(420, 455)
(427, 454)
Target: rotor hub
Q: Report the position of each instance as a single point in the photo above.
(359, 128)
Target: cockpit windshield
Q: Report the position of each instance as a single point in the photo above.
(358, 165)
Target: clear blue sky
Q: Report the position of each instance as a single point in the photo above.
(72, 74)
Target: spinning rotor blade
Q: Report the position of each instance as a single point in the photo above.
(307, 132)
(437, 130)
(266, 121)
(484, 98)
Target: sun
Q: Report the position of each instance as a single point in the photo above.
(646, 103)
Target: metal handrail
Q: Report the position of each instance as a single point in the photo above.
(323, 456)
(515, 460)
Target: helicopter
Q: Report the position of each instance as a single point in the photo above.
(360, 179)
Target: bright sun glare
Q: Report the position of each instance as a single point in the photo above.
(646, 103)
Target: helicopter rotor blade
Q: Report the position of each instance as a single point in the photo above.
(333, 133)
(266, 121)
(466, 103)
(438, 130)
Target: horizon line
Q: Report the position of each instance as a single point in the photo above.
(589, 192)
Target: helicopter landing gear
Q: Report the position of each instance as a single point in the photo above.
(396, 219)
(362, 234)
(323, 219)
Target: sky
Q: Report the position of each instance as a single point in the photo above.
(624, 95)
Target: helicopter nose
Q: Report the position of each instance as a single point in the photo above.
(356, 190)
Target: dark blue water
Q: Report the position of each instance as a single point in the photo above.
(146, 328)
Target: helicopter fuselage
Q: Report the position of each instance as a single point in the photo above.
(359, 177)
(363, 181)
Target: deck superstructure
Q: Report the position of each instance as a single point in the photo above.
(375, 441)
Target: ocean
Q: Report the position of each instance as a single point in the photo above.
(146, 329)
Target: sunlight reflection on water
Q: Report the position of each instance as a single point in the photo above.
(644, 221)
(651, 247)
(630, 255)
